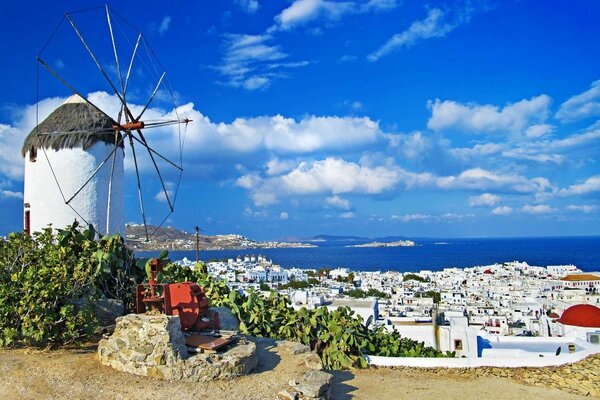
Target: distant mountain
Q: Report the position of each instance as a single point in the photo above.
(169, 238)
(334, 238)
(339, 239)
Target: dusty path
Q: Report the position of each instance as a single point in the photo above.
(77, 374)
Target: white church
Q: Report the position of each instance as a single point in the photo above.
(61, 154)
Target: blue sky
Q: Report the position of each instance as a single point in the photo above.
(373, 118)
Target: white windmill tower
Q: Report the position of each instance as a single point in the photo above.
(87, 139)
(74, 159)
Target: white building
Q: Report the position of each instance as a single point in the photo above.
(67, 147)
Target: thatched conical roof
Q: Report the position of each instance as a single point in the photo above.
(74, 124)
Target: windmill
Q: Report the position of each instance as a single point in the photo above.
(74, 159)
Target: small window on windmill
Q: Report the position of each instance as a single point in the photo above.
(457, 344)
(32, 154)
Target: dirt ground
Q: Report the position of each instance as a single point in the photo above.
(77, 374)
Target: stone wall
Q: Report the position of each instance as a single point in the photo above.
(153, 345)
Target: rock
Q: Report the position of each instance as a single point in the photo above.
(313, 384)
(229, 322)
(107, 310)
(285, 395)
(293, 347)
(154, 346)
(312, 361)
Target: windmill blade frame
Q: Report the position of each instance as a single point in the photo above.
(132, 127)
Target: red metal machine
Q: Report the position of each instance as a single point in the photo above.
(185, 299)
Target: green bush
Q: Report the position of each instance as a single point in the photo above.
(48, 283)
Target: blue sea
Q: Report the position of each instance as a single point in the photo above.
(431, 254)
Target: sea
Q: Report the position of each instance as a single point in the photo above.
(428, 254)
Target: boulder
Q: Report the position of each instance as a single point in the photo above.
(229, 322)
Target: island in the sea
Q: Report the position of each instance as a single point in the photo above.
(398, 243)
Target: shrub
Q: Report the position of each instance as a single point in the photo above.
(48, 283)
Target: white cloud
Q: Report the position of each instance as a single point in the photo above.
(581, 106)
(337, 202)
(248, 181)
(590, 185)
(473, 118)
(411, 217)
(279, 134)
(484, 200)
(537, 209)
(347, 215)
(482, 179)
(503, 210)
(379, 5)
(9, 194)
(357, 105)
(347, 58)
(339, 176)
(161, 198)
(12, 136)
(584, 208)
(432, 26)
(284, 215)
(455, 216)
(249, 6)
(252, 61)
(537, 131)
(165, 23)
(301, 12)
(276, 166)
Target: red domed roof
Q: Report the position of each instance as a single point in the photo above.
(584, 315)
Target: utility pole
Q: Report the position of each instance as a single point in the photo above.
(197, 245)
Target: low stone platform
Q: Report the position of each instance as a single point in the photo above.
(154, 346)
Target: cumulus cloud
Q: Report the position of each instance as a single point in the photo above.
(484, 200)
(590, 185)
(331, 175)
(474, 118)
(347, 215)
(280, 135)
(13, 135)
(161, 198)
(537, 209)
(503, 210)
(335, 176)
(284, 215)
(337, 202)
(537, 131)
(9, 194)
(584, 208)
(301, 12)
(482, 179)
(581, 106)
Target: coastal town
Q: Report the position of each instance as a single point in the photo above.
(522, 307)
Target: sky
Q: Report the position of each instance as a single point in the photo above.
(371, 118)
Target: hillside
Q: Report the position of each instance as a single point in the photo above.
(174, 239)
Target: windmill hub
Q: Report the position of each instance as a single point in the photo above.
(131, 126)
